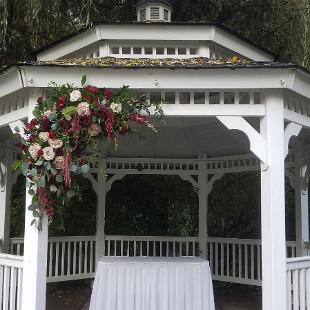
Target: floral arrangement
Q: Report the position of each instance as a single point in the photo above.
(68, 123)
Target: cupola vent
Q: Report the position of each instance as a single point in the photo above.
(154, 11)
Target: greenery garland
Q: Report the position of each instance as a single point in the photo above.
(68, 124)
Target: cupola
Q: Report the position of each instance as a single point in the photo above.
(149, 11)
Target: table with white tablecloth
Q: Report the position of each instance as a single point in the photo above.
(152, 283)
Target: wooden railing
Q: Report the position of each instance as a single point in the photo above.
(298, 283)
(231, 260)
(11, 272)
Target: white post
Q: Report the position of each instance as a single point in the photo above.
(5, 196)
(301, 203)
(35, 252)
(203, 208)
(101, 199)
(273, 205)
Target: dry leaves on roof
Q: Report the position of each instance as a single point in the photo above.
(145, 62)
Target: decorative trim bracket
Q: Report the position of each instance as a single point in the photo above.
(116, 177)
(211, 182)
(189, 179)
(257, 142)
(292, 129)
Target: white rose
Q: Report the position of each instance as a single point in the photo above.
(116, 107)
(44, 136)
(83, 109)
(75, 95)
(55, 143)
(48, 113)
(48, 153)
(53, 188)
(33, 150)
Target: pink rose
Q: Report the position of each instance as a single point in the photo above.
(55, 143)
(94, 130)
(83, 109)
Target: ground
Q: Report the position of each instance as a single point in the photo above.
(75, 295)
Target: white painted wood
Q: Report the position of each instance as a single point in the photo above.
(203, 208)
(301, 202)
(257, 142)
(35, 253)
(101, 199)
(292, 129)
(273, 205)
(6, 158)
(297, 118)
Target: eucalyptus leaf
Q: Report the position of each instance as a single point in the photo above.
(74, 168)
(33, 222)
(54, 126)
(17, 129)
(39, 162)
(48, 166)
(33, 172)
(83, 81)
(51, 117)
(31, 192)
(59, 178)
(53, 171)
(85, 168)
(41, 182)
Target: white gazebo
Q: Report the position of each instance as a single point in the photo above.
(229, 108)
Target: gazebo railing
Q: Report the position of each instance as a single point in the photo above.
(11, 273)
(298, 283)
(231, 260)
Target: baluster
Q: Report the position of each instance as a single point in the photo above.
(50, 267)
(227, 259)
(234, 259)
(259, 276)
(63, 258)
(19, 289)
(74, 256)
(251, 97)
(6, 286)
(246, 261)
(80, 257)
(173, 248)
(13, 288)
(128, 248)
(69, 258)
(160, 248)
(148, 248)
(85, 256)
(109, 247)
(289, 289)
(134, 248)
(222, 259)
(211, 257)
(302, 287)
(237, 97)
(240, 260)
(141, 245)
(307, 287)
(216, 258)
(187, 248)
(252, 261)
(207, 98)
(122, 247)
(167, 248)
(1, 283)
(57, 260)
(115, 246)
(295, 290)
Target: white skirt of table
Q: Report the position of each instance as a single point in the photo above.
(143, 283)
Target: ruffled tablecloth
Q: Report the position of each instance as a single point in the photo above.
(152, 283)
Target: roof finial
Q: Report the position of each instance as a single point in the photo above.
(149, 11)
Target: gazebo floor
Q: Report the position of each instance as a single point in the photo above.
(75, 295)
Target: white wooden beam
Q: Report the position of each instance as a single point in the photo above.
(257, 142)
(301, 202)
(13, 116)
(297, 118)
(292, 129)
(6, 158)
(203, 208)
(273, 205)
(35, 250)
(101, 203)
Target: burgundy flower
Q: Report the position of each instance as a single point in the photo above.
(66, 172)
(96, 99)
(32, 138)
(108, 93)
(61, 102)
(102, 111)
(137, 118)
(65, 125)
(23, 147)
(45, 123)
(40, 152)
(32, 124)
(52, 135)
(86, 98)
(91, 89)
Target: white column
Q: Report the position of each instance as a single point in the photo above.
(273, 205)
(101, 199)
(301, 203)
(35, 252)
(203, 208)
(5, 196)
